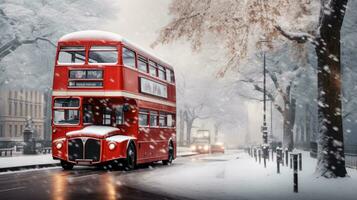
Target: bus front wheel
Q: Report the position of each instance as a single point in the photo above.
(66, 165)
(130, 161)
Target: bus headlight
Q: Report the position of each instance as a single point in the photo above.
(193, 147)
(59, 145)
(112, 146)
(205, 147)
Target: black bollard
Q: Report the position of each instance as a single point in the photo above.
(291, 161)
(272, 155)
(255, 154)
(300, 161)
(295, 158)
(278, 161)
(260, 155)
(265, 155)
(287, 157)
(282, 158)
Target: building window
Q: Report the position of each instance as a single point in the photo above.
(16, 133)
(10, 108)
(152, 68)
(153, 119)
(30, 112)
(21, 109)
(162, 72)
(128, 57)
(15, 108)
(107, 116)
(10, 130)
(142, 64)
(143, 118)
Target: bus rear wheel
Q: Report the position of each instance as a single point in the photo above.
(170, 155)
(130, 161)
(66, 165)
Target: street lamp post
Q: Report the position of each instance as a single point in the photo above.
(264, 127)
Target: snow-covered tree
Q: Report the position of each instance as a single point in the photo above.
(30, 29)
(326, 39)
(241, 24)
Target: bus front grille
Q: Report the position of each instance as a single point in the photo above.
(92, 150)
(75, 149)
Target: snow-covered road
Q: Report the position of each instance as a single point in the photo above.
(235, 175)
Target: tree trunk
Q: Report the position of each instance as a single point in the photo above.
(331, 158)
(289, 121)
(181, 128)
(307, 126)
(188, 131)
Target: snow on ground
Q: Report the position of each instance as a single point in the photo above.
(17, 161)
(237, 176)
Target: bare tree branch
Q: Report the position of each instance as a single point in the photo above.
(271, 97)
(28, 41)
(299, 37)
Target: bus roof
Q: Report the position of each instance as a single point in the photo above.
(107, 36)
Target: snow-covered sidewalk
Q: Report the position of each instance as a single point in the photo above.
(6, 163)
(28, 160)
(235, 175)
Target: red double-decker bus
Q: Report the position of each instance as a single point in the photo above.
(113, 103)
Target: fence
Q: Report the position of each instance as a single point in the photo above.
(350, 154)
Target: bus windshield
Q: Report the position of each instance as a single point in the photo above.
(72, 55)
(103, 54)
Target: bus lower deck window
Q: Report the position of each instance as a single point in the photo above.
(143, 118)
(153, 118)
(119, 115)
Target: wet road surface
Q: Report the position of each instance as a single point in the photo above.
(79, 183)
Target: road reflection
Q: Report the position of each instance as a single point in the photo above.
(68, 185)
(107, 180)
(59, 185)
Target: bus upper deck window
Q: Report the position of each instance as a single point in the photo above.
(170, 76)
(103, 54)
(71, 55)
(128, 57)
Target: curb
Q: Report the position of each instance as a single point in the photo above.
(38, 166)
(187, 155)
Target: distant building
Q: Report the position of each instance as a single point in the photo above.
(15, 107)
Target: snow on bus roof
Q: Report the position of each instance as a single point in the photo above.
(105, 35)
(91, 35)
(94, 130)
